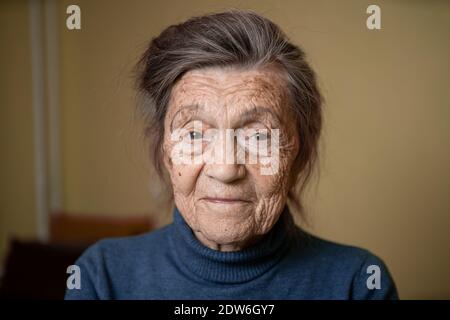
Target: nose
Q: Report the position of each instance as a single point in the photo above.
(222, 169)
(225, 173)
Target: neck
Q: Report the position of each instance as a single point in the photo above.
(226, 247)
(200, 260)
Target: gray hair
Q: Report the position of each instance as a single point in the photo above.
(234, 38)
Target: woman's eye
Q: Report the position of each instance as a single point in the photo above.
(260, 136)
(195, 135)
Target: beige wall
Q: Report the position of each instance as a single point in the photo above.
(385, 151)
(17, 202)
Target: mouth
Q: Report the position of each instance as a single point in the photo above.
(220, 200)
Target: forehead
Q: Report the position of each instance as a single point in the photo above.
(232, 89)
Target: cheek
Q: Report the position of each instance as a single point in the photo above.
(276, 185)
(269, 186)
(184, 178)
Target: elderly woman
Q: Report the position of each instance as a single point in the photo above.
(234, 116)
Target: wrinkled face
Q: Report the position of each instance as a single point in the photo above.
(218, 118)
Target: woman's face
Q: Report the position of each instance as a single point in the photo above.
(217, 120)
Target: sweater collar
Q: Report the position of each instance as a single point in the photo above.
(230, 267)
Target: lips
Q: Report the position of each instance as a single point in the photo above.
(224, 200)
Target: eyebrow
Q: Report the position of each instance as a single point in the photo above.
(255, 112)
(192, 107)
(244, 118)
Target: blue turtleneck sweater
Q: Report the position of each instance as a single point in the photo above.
(288, 263)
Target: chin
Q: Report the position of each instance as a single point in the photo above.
(227, 233)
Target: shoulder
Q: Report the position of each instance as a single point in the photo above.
(343, 255)
(131, 248)
(131, 244)
(116, 262)
(358, 271)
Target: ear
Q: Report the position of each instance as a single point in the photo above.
(166, 160)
